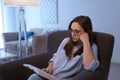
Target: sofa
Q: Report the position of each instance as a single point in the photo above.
(15, 71)
(36, 43)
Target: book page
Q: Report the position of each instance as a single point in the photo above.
(40, 72)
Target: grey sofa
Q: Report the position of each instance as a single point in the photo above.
(105, 42)
(36, 44)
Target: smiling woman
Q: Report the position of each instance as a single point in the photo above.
(1, 24)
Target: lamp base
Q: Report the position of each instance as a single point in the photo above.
(22, 22)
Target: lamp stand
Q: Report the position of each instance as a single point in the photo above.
(22, 20)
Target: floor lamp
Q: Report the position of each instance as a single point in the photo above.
(21, 4)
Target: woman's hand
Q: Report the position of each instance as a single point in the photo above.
(49, 68)
(84, 38)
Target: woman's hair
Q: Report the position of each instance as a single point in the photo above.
(86, 24)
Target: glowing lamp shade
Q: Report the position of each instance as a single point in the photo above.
(21, 2)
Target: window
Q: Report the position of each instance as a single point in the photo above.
(1, 24)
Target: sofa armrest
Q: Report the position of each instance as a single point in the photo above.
(89, 75)
(15, 71)
(39, 44)
(9, 36)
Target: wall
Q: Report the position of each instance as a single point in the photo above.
(9, 19)
(104, 14)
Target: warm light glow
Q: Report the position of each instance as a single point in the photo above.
(21, 2)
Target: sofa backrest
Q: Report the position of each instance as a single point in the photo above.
(10, 36)
(54, 40)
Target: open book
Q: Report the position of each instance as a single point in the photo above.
(40, 72)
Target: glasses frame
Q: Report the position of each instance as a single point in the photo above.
(76, 32)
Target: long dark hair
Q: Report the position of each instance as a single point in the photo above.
(86, 24)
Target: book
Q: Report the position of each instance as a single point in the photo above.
(40, 72)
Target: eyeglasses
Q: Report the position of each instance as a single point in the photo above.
(76, 32)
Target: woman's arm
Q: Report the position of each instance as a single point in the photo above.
(87, 52)
(89, 57)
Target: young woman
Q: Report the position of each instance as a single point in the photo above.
(74, 53)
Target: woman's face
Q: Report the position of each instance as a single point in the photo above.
(76, 30)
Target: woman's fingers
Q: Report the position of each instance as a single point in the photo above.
(47, 70)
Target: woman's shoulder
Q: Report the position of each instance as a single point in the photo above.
(64, 42)
(66, 39)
